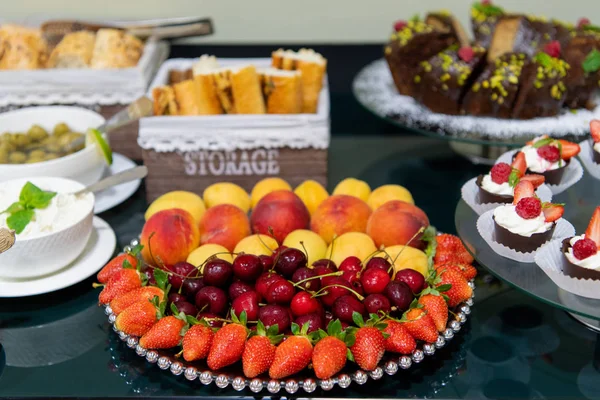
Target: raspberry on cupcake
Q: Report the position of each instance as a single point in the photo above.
(549, 157)
(527, 223)
(581, 258)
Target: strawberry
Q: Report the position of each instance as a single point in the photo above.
(114, 265)
(466, 270)
(593, 229)
(434, 303)
(523, 189)
(399, 340)
(568, 149)
(535, 179)
(293, 354)
(259, 352)
(369, 343)
(138, 318)
(122, 281)
(164, 334)
(519, 164)
(595, 130)
(420, 325)
(453, 284)
(451, 249)
(228, 343)
(197, 342)
(123, 301)
(552, 212)
(331, 351)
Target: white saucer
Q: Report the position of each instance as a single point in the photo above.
(98, 251)
(109, 198)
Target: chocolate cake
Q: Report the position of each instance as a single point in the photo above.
(550, 30)
(444, 20)
(484, 17)
(487, 197)
(514, 34)
(574, 270)
(581, 82)
(522, 243)
(444, 79)
(543, 90)
(495, 90)
(414, 42)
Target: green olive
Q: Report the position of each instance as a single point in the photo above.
(37, 154)
(17, 157)
(22, 140)
(53, 148)
(3, 156)
(34, 160)
(51, 156)
(37, 133)
(61, 129)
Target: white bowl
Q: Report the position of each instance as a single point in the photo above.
(85, 166)
(49, 252)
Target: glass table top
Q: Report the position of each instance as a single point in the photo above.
(514, 346)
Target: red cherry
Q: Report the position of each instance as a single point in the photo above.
(278, 251)
(275, 314)
(315, 321)
(289, 261)
(399, 295)
(346, 305)
(211, 299)
(247, 267)
(338, 288)
(267, 262)
(374, 303)
(217, 272)
(351, 264)
(239, 287)
(378, 262)
(552, 48)
(264, 281)
(466, 53)
(280, 292)
(248, 302)
(322, 270)
(304, 273)
(374, 280)
(399, 25)
(325, 263)
(186, 307)
(303, 303)
(414, 279)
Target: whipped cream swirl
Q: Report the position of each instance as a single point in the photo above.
(507, 217)
(492, 187)
(592, 262)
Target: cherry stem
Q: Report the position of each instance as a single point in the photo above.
(338, 273)
(354, 292)
(97, 285)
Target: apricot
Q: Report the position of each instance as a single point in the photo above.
(385, 193)
(278, 214)
(187, 201)
(353, 187)
(308, 242)
(403, 257)
(266, 186)
(227, 193)
(257, 245)
(224, 224)
(397, 222)
(340, 214)
(312, 194)
(349, 244)
(169, 236)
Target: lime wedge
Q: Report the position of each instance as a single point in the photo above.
(94, 136)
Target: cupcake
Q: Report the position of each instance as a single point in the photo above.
(581, 257)
(527, 223)
(499, 184)
(549, 157)
(595, 132)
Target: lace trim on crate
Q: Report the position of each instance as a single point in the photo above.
(375, 89)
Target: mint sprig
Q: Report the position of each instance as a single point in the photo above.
(592, 61)
(22, 212)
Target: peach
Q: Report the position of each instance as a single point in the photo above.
(407, 257)
(224, 224)
(340, 214)
(397, 222)
(350, 244)
(199, 256)
(278, 214)
(226, 193)
(187, 201)
(256, 244)
(385, 193)
(169, 236)
(266, 186)
(312, 194)
(353, 187)
(308, 242)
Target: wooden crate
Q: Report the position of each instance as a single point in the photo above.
(195, 171)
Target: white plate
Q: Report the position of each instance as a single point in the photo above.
(109, 198)
(98, 251)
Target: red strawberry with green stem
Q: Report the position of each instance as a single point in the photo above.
(369, 344)
(197, 341)
(453, 284)
(167, 332)
(331, 351)
(419, 324)
(228, 343)
(293, 354)
(122, 281)
(115, 265)
(399, 340)
(435, 304)
(259, 352)
(138, 318)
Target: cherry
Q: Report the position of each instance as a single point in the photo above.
(324, 262)
(378, 262)
(179, 272)
(345, 306)
(315, 322)
(290, 260)
(247, 267)
(414, 279)
(208, 316)
(267, 262)
(239, 287)
(217, 272)
(305, 273)
(374, 303)
(264, 281)
(212, 299)
(351, 264)
(399, 294)
(192, 286)
(328, 318)
(248, 302)
(175, 298)
(303, 303)
(336, 287)
(278, 251)
(280, 292)
(374, 280)
(272, 314)
(186, 307)
(322, 270)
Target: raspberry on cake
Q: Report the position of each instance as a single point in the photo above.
(549, 157)
(581, 258)
(527, 223)
(595, 133)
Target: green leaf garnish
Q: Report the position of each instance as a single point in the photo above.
(415, 18)
(22, 211)
(592, 61)
(592, 28)
(488, 9)
(13, 208)
(513, 178)
(544, 59)
(19, 220)
(135, 250)
(542, 142)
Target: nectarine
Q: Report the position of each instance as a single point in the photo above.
(257, 245)
(340, 214)
(224, 224)
(266, 186)
(279, 213)
(397, 222)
